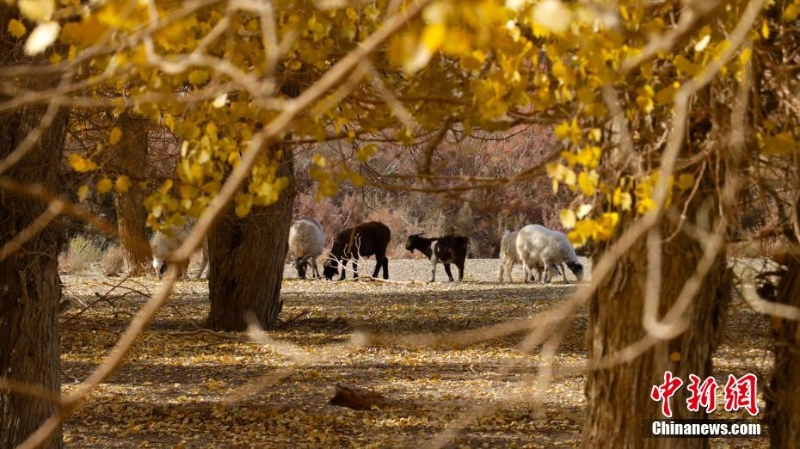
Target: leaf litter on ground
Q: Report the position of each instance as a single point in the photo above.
(186, 386)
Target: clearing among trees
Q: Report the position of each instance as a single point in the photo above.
(185, 386)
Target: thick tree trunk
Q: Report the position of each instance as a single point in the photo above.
(130, 159)
(783, 394)
(247, 259)
(619, 397)
(30, 288)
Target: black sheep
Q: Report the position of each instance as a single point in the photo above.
(364, 240)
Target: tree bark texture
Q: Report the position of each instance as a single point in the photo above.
(30, 288)
(783, 394)
(130, 159)
(619, 397)
(247, 260)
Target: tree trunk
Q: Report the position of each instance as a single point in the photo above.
(783, 394)
(619, 397)
(130, 159)
(247, 260)
(30, 288)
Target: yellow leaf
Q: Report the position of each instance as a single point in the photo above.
(779, 145)
(702, 43)
(114, 135)
(583, 210)
(366, 152)
(123, 184)
(319, 160)
(576, 239)
(568, 130)
(586, 184)
(587, 229)
(433, 36)
(675, 357)
(104, 185)
(166, 187)
(765, 29)
(607, 224)
(37, 10)
(560, 173)
(622, 199)
(791, 12)
(745, 54)
(83, 193)
(16, 28)
(198, 77)
(81, 165)
(646, 103)
(685, 181)
(568, 218)
(41, 38)
(644, 205)
(552, 15)
(589, 157)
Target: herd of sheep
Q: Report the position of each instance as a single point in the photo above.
(535, 247)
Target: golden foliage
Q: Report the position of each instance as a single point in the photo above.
(483, 64)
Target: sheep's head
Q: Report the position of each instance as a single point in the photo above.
(413, 242)
(330, 268)
(577, 269)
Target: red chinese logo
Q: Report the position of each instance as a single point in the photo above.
(741, 393)
(665, 391)
(702, 394)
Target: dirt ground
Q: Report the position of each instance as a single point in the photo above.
(184, 386)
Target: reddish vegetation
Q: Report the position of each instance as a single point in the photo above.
(408, 206)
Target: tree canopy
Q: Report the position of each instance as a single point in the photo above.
(235, 78)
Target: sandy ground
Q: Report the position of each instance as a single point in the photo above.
(418, 269)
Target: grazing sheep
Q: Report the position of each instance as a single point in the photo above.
(364, 240)
(447, 249)
(508, 254)
(163, 245)
(537, 245)
(306, 241)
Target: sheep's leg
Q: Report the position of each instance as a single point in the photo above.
(508, 268)
(203, 262)
(314, 270)
(384, 262)
(447, 270)
(385, 267)
(433, 268)
(502, 267)
(546, 277)
(526, 272)
(563, 273)
(378, 265)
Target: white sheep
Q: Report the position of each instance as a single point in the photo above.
(306, 242)
(508, 254)
(164, 244)
(539, 246)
